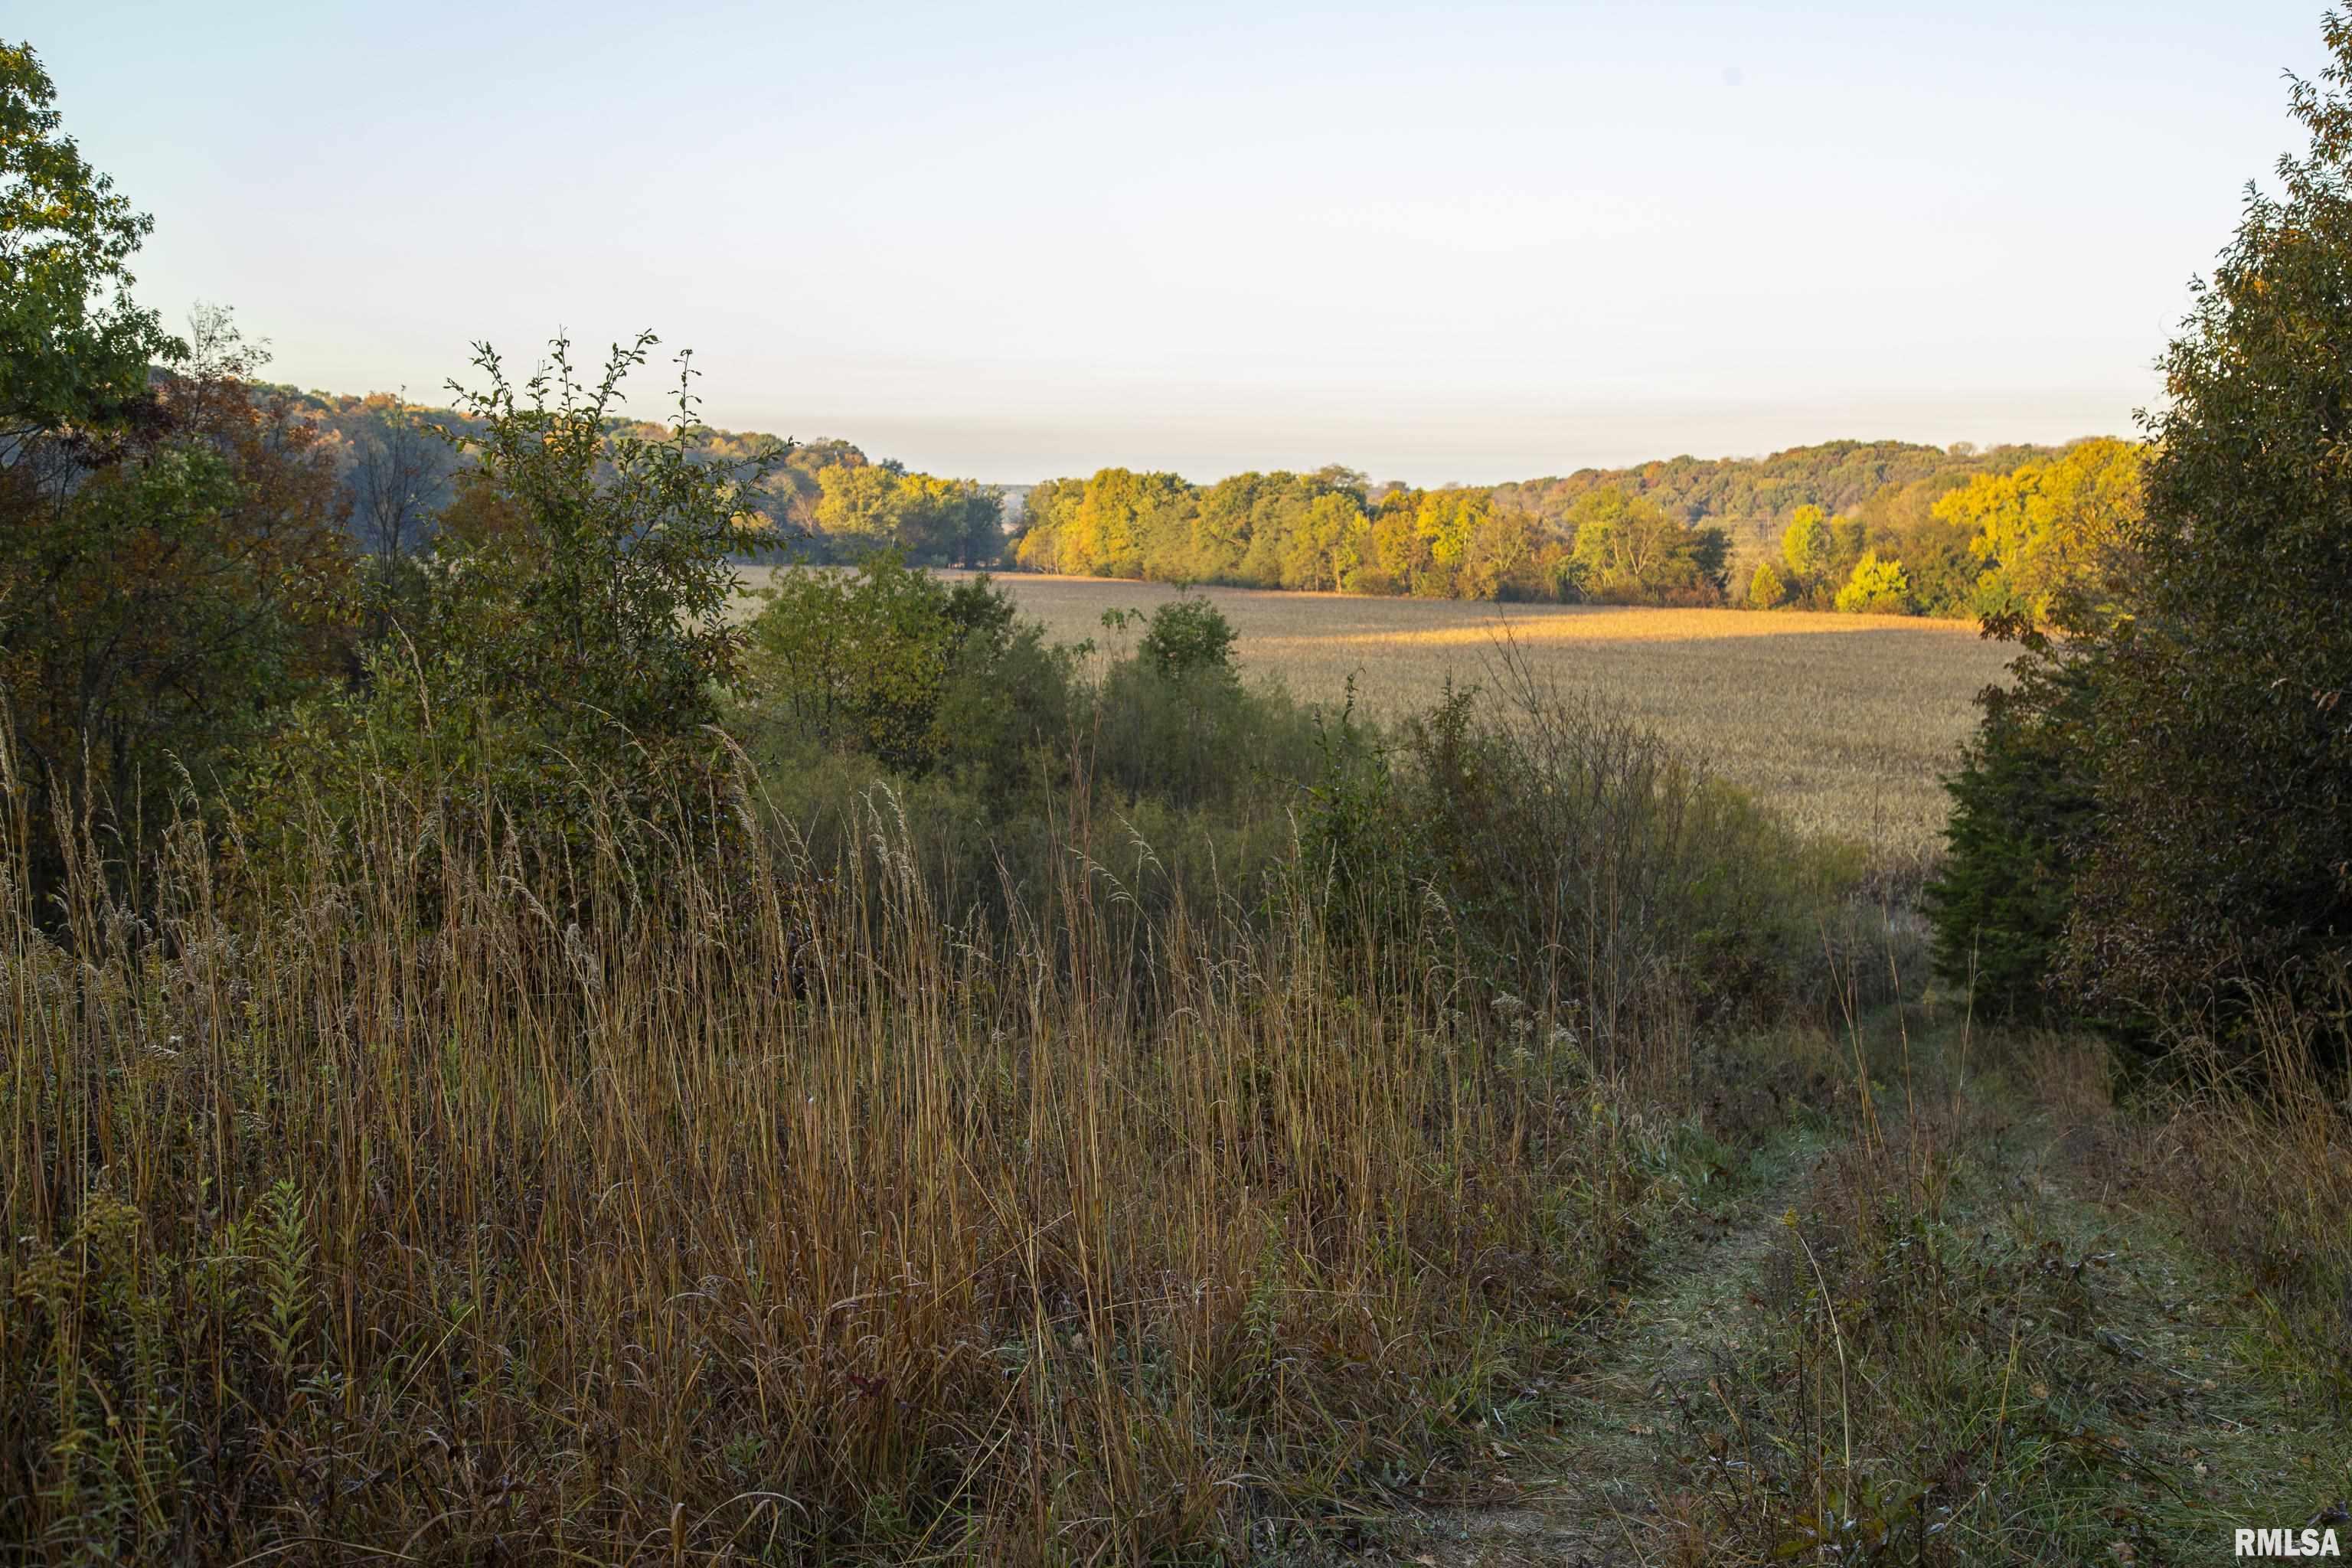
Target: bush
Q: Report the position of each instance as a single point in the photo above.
(889, 662)
(560, 654)
(171, 588)
(1187, 634)
(583, 576)
(1577, 861)
(885, 690)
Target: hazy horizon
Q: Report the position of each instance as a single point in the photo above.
(1475, 245)
(1465, 446)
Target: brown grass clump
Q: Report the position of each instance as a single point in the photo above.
(2257, 1161)
(658, 1199)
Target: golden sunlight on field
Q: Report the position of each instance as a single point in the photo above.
(1845, 723)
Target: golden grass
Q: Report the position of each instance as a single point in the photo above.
(423, 1195)
(1845, 723)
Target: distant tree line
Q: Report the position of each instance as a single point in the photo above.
(1882, 527)
(821, 501)
(1331, 530)
(1958, 544)
(1885, 527)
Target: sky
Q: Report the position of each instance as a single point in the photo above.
(1433, 243)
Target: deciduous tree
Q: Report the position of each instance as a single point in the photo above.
(2224, 727)
(74, 347)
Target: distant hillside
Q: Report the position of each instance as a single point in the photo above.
(373, 434)
(1253, 528)
(1753, 498)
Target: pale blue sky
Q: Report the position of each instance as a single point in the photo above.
(1435, 243)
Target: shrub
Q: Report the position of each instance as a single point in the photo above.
(1186, 634)
(1577, 860)
(170, 589)
(889, 662)
(564, 647)
(583, 576)
(1196, 736)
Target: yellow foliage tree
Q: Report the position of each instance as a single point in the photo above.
(2053, 531)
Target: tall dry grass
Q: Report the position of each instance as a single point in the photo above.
(401, 1187)
(2254, 1149)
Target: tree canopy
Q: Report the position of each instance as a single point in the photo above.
(2153, 828)
(74, 347)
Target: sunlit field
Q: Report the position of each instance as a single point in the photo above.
(1844, 722)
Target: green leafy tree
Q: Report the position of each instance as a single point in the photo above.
(979, 532)
(1188, 637)
(1499, 559)
(1629, 551)
(2054, 538)
(74, 347)
(1116, 515)
(1766, 589)
(2224, 733)
(1400, 556)
(1805, 545)
(891, 663)
(1446, 521)
(1325, 548)
(1051, 508)
(862, 508)
(162, 609)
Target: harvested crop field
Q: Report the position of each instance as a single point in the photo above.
(1844, 722)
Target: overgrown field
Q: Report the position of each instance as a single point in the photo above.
(665, 1194)
(514, 1050)
(1843, 724)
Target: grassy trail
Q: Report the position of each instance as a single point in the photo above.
(1585, 1488)
(1933, 1334)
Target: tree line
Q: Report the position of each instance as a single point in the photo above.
(1882, 527)
(821, 501)
(1331, 530)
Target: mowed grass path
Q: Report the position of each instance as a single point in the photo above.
(1846, 723)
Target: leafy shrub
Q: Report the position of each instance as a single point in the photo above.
(1186, 634)
(583, 576)
(563, 648)
(170, 588)
(1577, 859)
(1197, 736)
(889, 662)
